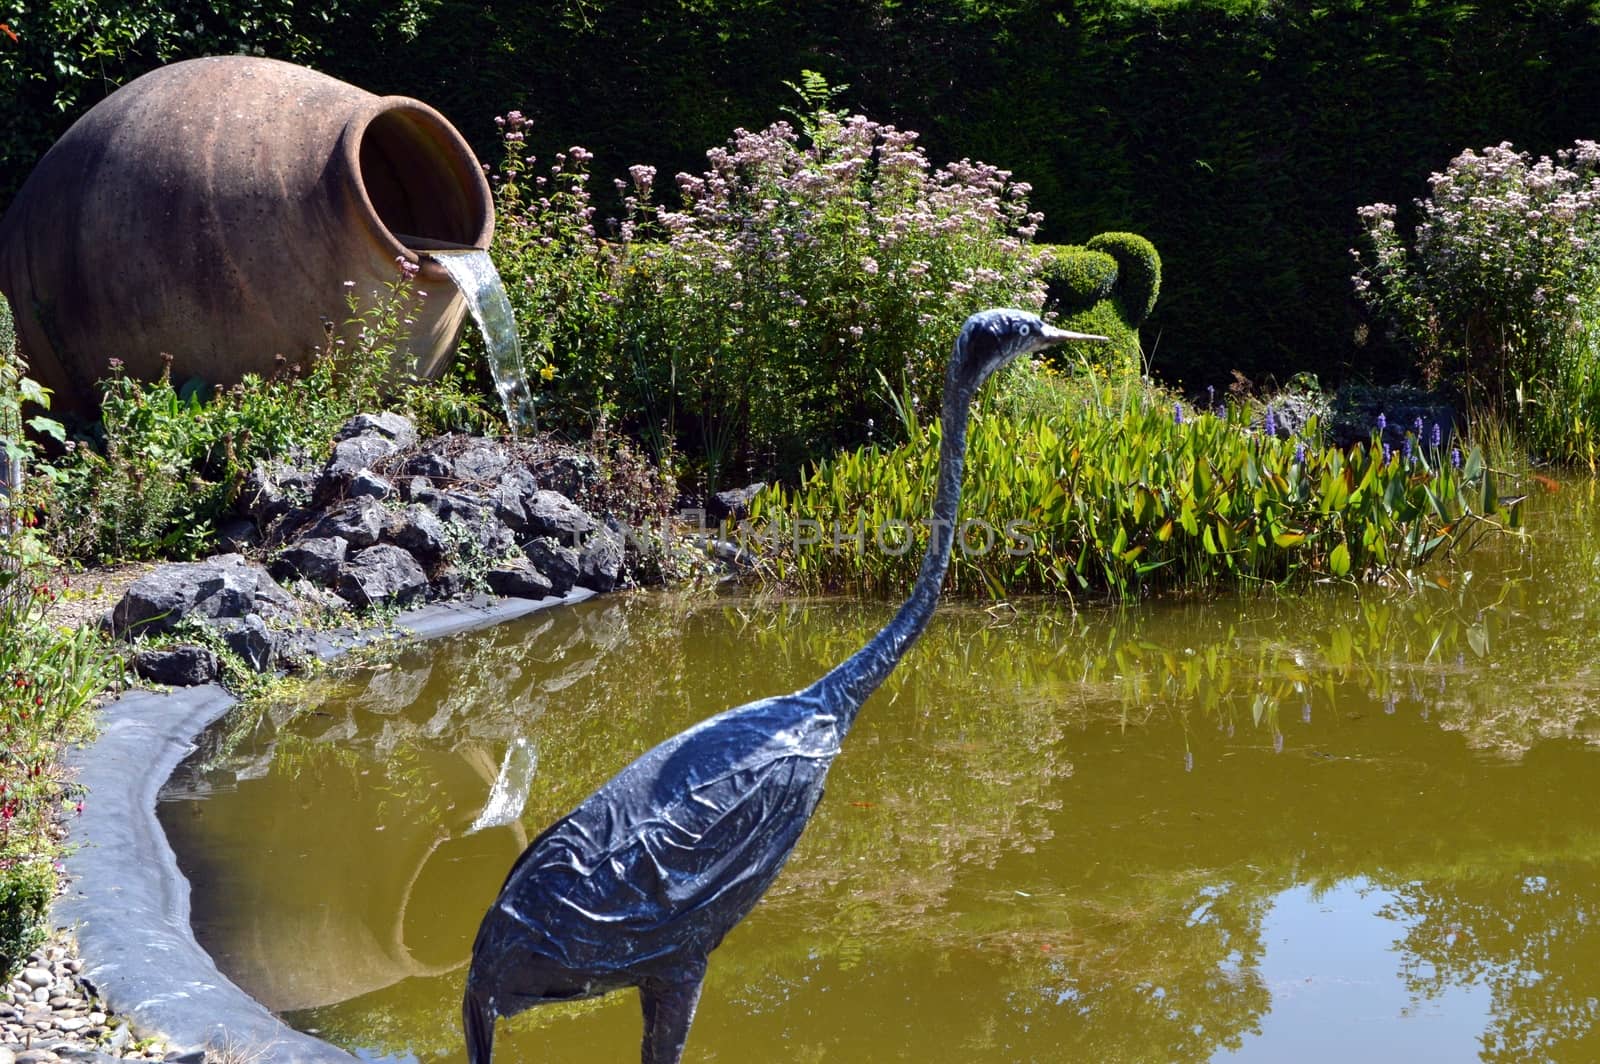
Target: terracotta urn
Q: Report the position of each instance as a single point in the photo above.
(221, 210)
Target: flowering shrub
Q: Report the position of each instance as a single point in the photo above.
(1498, 289)
(754, 323)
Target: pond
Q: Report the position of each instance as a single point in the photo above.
(1314, 827)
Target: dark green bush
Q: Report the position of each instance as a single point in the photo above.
(1238, 136)
(1076, 278)
(1138, 272)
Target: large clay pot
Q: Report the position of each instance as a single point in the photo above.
(215, 209)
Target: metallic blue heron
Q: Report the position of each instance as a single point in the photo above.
(639, 884)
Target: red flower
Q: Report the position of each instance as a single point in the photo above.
(9, 32)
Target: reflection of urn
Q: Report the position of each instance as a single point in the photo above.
(214, 209)
(310, 910)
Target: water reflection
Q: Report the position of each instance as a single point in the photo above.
(1054, 835)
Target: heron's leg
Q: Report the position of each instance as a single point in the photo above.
(668, 1012)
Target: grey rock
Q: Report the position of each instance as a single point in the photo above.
(185, 666)
(316, 559)
(429, 464)
(7, 1056)
(72, 1023)
(383, 573)
(733, 504)
(552, 514)
(358, 521)
(349, 458)
(394, 428)
(36, 977)
(463, 504)
(220, 587)
(483, 463)
(419, 531)
(510, 497)
(448, 583)
(484, 533)
(235, 534)
(273, 488)
(519, 578)
(557, 562)
(194, 1055)
(250, 638)
(600, 561)
(35, 1056)
(367, 484)
(571, 473)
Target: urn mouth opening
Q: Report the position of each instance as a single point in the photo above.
(421, 182)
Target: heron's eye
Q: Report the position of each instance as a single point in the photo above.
(1026, 329)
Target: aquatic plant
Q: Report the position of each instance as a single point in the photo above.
(1117, 497)
(1497, 289)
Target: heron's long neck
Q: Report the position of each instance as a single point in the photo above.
(849, 684)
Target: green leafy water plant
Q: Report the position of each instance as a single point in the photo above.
(1124, 496)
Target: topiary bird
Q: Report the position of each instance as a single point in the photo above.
(639, 884)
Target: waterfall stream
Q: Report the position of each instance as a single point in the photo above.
(479, 282)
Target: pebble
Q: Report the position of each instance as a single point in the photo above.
(47, 1016)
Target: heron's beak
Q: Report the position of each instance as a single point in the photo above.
(1051, 336)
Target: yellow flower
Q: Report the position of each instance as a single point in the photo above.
(548, 373)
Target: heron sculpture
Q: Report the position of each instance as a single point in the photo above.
(639, 884)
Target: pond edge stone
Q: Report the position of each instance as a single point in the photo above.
(127, 901)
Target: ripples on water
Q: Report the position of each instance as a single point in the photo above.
(1307, 828)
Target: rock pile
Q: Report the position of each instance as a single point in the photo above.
(387, 520)
(47, 1015)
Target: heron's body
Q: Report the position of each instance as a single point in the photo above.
(638, 885)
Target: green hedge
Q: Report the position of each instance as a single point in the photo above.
(1107, 286)
(1238, 135)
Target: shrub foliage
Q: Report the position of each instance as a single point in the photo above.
(1497, 291)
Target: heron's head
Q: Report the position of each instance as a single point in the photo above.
(992, 339)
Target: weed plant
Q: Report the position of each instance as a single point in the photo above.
(48, 678)
(1497, 291)
(1114, 494)
(749, 324)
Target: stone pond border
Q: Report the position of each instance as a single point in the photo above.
(127, 902)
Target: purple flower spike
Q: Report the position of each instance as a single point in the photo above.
(1383, 422)
(1300, 453)
(1211, 395)
(1405, 450)
(1438, 435)
(1417, 424)
(1177, 413)
(1387, 452)
(1455, 458)
(1272, 421)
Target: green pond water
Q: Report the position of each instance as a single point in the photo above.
(1321, 827)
